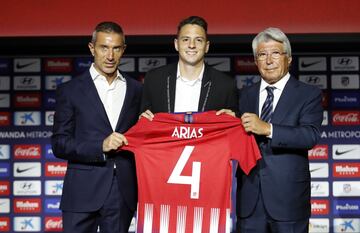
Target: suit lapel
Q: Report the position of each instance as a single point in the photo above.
(127, 100)
(205, 90)
(92, 97)
(287, 98)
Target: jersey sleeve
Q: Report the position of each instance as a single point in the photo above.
(243, 148)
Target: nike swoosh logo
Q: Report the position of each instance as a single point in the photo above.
(305, 65)
(315, 169)
(20, 66)
(18, 170)
(124, 63)
(343, 152)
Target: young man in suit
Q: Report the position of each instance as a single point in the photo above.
(190, 84)
(285, 115)
(92, 112)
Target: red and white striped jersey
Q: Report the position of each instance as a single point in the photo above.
(183, 166)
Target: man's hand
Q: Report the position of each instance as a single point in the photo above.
(147, 114)
(114, 141)
(253, 124)
(226, 111)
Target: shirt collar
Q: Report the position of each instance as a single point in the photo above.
(198, 79)
(95, 74)
(278, 85)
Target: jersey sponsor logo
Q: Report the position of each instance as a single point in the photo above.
(27, 224)
(4, 100)
(319, 170)
(345, 99)
(319, 207)
(27, 169)
(346, 170)
(4, 169)
(4, 83)
(53, 224)
(245, 64)
(27, 83)
(58, 65)
(346, 118)
(246, 80)
(319, 188)
(319, 225)
(27, 65)
(27, 118)
(27, 100)
(52, 205)
(27, 205)
(345, 225)
(346, 151)
(345, 63)
(345, 81)
(27, 151)
(4, 152)
(149, 63)
(312, 63)
(27, 188)
(55, 169)
(53, 187)
(346, 207)
(4, 188)
(318, 152)
(4, 224)
(127, 64)
(219, 63)
(4, 205)
(187, 132)
(346, 188)
(53, 81)
(317, 80)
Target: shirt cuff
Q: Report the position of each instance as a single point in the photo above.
(271, 131)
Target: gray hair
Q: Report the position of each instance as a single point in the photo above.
(274, 34)
(107, 27)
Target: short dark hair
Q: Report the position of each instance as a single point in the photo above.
(197, 20)
(107, 27)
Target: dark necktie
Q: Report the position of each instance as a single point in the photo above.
(267, 108)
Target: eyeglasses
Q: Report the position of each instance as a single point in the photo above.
(274, 55)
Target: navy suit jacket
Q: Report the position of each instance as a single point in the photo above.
(283, 171)
(80, 126)
(218, 90)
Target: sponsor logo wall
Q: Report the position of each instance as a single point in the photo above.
(31, 178)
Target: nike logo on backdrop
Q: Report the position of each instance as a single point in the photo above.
(18, 170)
(343, 152)
(20, 66)
(305, 65)
(315, 169)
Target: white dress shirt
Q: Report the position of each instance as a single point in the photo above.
(112, 95)
(187, 92)
(279, 87)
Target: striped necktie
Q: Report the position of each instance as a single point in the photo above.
(267, 108)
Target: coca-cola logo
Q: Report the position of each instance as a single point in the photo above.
(27, 151)
(318, 152)
(53, 224)
(346, 118)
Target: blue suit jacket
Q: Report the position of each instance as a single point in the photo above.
(283, 171)
(80, 126)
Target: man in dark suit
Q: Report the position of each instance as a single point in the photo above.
(190, 84)
(284, 114)
(92, 112)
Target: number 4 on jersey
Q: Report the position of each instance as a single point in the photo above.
(194, 179)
